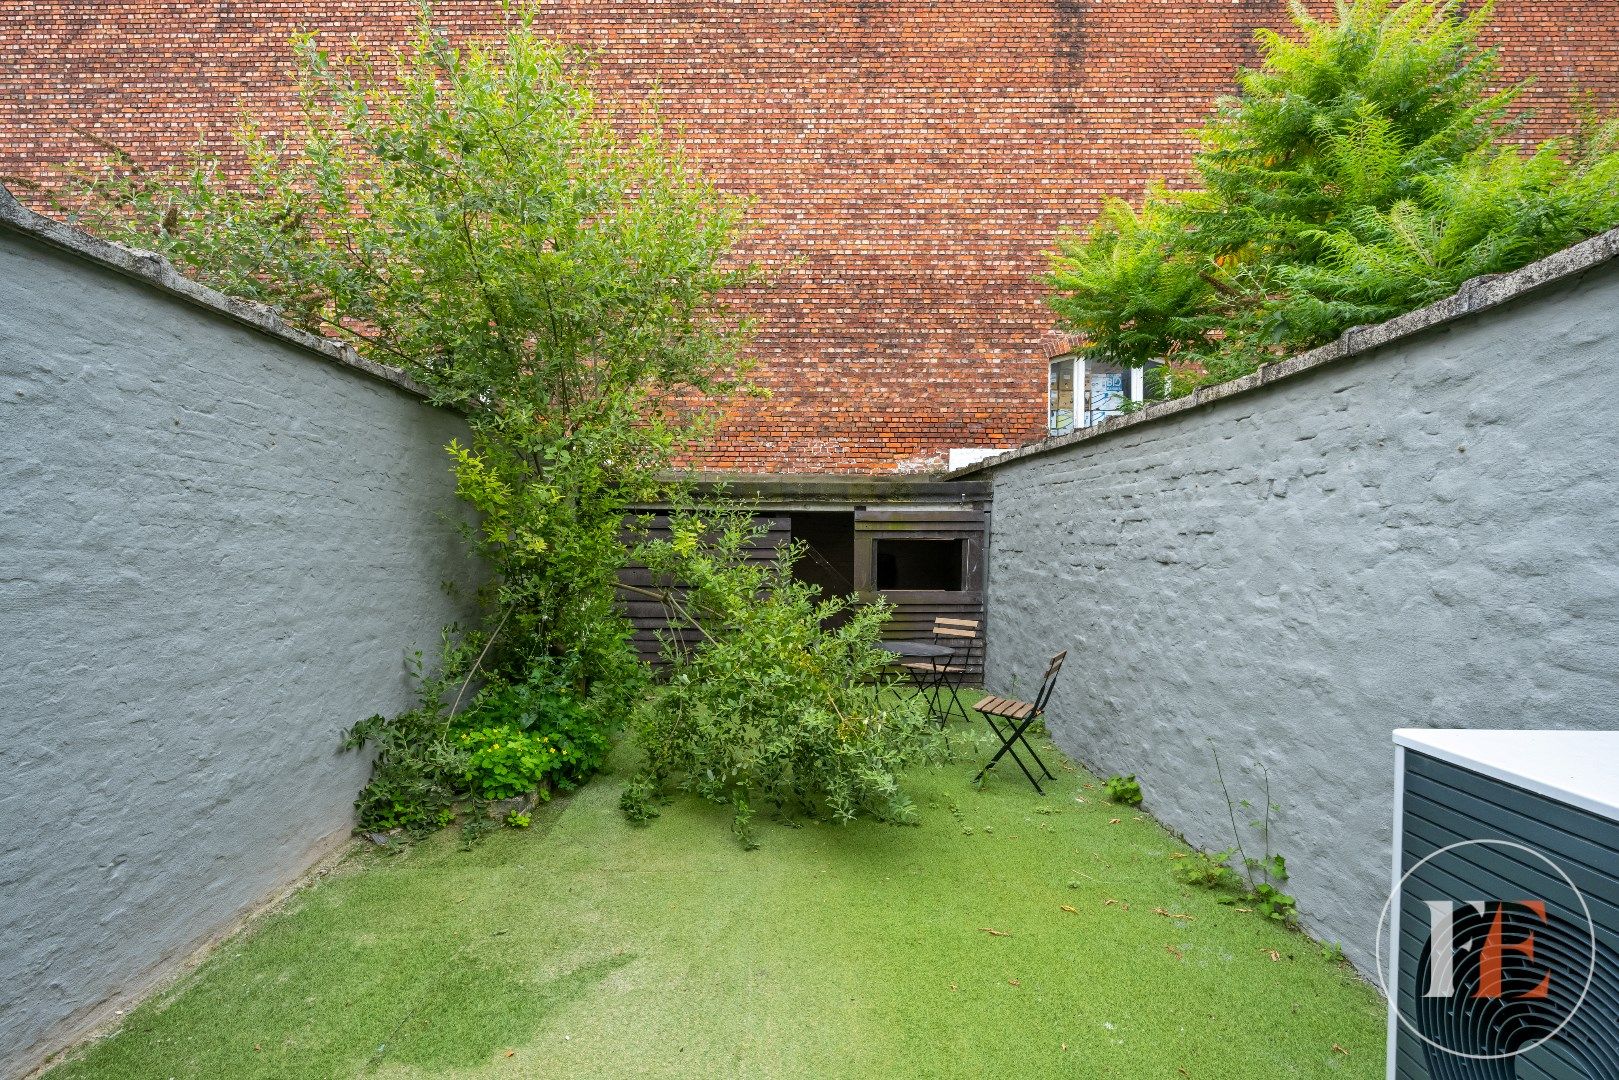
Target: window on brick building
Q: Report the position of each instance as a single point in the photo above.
(1085, 390)
(1060, 413)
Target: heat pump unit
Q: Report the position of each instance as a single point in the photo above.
(1501, 937)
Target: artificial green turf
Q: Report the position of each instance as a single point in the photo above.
(587, 947)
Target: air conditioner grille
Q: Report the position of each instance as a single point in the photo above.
(1445, 804)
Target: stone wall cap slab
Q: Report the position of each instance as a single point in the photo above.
(1476, 295)
(156, 271)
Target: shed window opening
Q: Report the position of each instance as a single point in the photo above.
(920, 564)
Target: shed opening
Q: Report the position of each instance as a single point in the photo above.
(920, 564)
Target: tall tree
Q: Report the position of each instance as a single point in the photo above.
(480, 218)
(1365, 168)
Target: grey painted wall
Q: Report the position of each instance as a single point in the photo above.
(216, 549)
(1425, 535)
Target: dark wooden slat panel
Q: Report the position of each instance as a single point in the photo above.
(659, 526)
(968, 517)
(913, 531)
(645, 609)
(647, 615)
(914, 610)
(914, 598)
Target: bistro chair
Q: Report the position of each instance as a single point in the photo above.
(1014, 718)
(939, 679)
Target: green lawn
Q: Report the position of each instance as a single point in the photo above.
(587, 947)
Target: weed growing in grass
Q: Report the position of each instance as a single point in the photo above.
(1209, 870)
(1254, 879)
(1123, 789)
(639, 800)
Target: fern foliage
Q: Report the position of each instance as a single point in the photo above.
(1367, 166)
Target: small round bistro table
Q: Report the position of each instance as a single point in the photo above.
(917, 650)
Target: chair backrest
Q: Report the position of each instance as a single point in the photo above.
(1050, 681)
(960, 635)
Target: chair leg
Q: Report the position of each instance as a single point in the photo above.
(1007, 745)
(1018, 736)
(926, 684)
(952, 686)
(1024, 769)
(1030, 748)
(935, 698)
(1008, 740)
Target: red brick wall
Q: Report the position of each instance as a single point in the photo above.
(913, 160)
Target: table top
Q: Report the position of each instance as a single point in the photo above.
(924, 649)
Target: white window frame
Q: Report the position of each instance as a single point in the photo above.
(1074, 365)
(1081, 415)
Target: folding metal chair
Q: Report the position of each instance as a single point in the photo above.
(940, 680)
(1017, 716)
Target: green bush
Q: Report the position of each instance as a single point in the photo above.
(510, 740)
(1123, 789)
(415, 779)
(505, 762)
(1365, 168)
(783, 700)
(419, 769)
(539, 707)
(551, 264)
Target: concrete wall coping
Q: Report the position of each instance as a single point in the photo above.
(838, 488)
(155, 270)
(1477, 295)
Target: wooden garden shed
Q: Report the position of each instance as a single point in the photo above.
(920, 544)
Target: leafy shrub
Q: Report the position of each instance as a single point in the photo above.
(419, 768)
(538, 707)
(415, 778)
(507, 743)
(504, 761)
(784, 697)
(556, 268)
(1123, 789)
(1365, 168)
